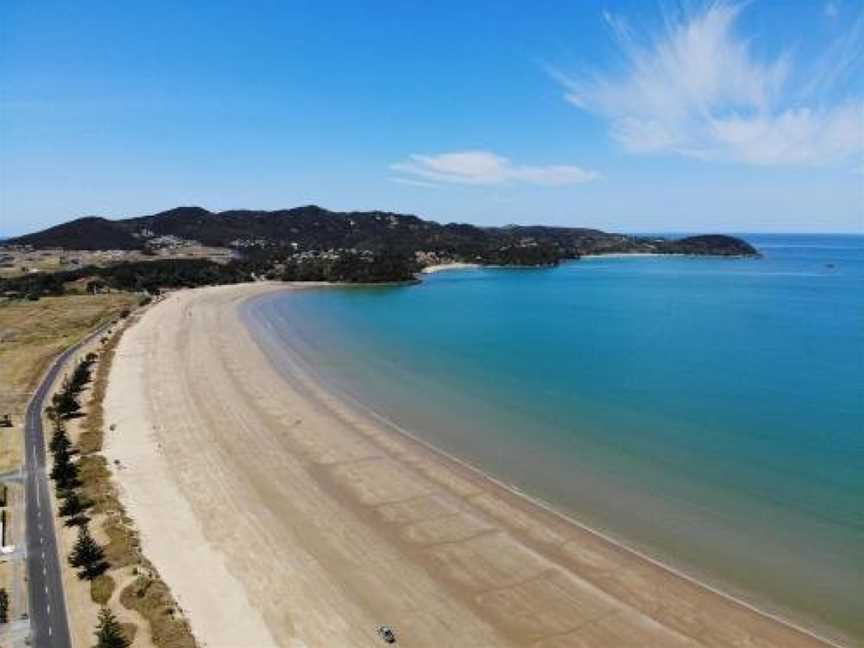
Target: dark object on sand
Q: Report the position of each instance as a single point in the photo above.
(386, 633)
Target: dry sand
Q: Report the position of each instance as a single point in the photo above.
(443, 267)
(281, 516)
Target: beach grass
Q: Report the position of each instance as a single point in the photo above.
(152, 599)
(101, 589)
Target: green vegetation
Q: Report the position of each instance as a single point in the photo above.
(87, 556)
(73, 505)
(153, 276)
(4, 606)
(150, 276)
(313, 244)
(101, 589)
(529, 255)
(64, 404)
(109, 632)
(350, 267)
(59, 438)
(311, 228)
(64, 472)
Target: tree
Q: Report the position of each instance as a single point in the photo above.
(59, 439)
(95, 286)
(65, 403)
(4, 606)
(77, 520)
(80, 376)
(109, 632)
(73, 505)
(64, 472)
(87, 556)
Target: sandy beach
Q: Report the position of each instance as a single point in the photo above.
(443, 267)
(280, 515)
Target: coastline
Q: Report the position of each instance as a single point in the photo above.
(458, 265)
(621, 255)
(444, 267)
(469, 544)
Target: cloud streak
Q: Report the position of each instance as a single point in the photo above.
(485, 168)
(697, 89)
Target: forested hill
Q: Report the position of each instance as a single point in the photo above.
(312, 228)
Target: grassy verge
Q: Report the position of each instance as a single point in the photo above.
(152, 599)
(147, 594)
(32, 334)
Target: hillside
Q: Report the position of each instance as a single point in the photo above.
(312, 229)
(88, 233)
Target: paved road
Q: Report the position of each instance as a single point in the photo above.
(49, 621)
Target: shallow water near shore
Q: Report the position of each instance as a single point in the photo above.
(707, 411)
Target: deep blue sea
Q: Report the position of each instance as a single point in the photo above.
(707, 411)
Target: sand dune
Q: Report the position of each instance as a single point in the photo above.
(279, 515)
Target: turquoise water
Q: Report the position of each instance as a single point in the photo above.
(707, 411)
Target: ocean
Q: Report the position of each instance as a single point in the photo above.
(706, 411)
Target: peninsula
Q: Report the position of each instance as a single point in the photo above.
(190, 246)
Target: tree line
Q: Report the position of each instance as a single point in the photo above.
(87, 556)
(152, 276)
(149, 276)
(349, 266)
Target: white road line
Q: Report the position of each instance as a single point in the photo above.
(48, 608)
(46, 589)
(49, 631)
(38, 502)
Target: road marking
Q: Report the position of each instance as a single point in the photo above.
(48, 608)
(38, 502)
(49, 631)
(46, 589)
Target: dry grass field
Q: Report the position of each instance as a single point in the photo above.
(32, 333)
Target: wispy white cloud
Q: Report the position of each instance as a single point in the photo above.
(485, 168)
(697, 89)
(413, 183)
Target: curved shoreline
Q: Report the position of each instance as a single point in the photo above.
(539, 502)
(467, 551)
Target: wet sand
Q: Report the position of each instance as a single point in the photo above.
(280, 515)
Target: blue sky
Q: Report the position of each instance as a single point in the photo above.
(629, 116)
